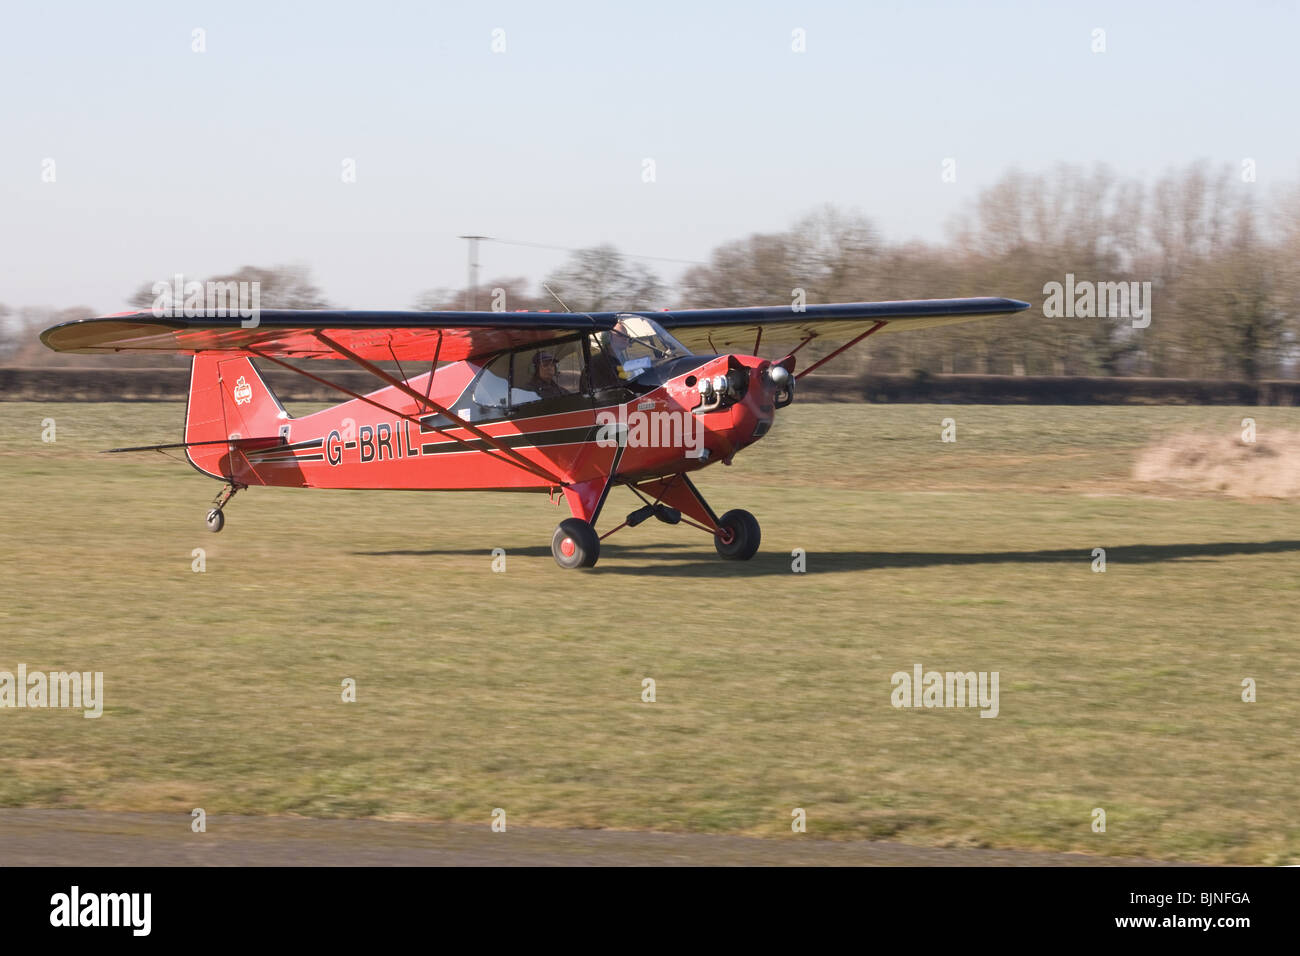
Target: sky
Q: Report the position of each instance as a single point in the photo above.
(534, 122)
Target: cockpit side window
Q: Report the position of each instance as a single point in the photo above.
(563, 375)
(491, 391)
(531, 380)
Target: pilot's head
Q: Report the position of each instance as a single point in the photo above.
(613, 343)
(544, 365)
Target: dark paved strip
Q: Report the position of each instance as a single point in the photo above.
(98, 838)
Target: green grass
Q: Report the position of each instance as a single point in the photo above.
(522, 690)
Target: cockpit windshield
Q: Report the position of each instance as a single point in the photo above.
(634, 345)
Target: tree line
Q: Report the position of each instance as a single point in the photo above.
(1219, 256)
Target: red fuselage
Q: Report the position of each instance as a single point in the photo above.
(667, 428)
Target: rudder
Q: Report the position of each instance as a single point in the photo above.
(228, 399)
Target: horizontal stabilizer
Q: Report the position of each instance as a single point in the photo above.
(241, 443)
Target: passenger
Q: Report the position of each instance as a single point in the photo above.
(543, 381)
(605, 363)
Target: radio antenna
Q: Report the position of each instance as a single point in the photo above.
(556, 297)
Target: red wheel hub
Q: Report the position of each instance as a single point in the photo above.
(726, 535)
(567, 547)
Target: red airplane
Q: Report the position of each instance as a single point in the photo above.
(511, 401)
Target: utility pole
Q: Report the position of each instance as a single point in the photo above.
(471, 294)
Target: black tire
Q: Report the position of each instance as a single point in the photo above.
(744, 535)
(216, 520)
(581, 542)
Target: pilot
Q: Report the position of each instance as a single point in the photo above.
(543, 381)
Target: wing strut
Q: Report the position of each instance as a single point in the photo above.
(847, 345)
(512, 458)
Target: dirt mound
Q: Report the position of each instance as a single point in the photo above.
(1269, 467)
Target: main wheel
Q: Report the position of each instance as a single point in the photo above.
(575, 544)
(738, 537)
(216, 520)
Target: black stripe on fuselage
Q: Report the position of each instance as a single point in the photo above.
(285, 460)
(296, 446)
(559, 436)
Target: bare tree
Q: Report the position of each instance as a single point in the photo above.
(508, 295)
(279, 287)
(601, 279)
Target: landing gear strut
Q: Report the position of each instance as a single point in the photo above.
(216, 519)
(675, 500)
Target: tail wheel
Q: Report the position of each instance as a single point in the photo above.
(216, 519)
(575, 544)
(738, 535)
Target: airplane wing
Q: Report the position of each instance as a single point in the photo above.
(296, 333)
(782, 328)
(451, 336)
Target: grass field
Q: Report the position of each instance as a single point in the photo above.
(522, 690)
